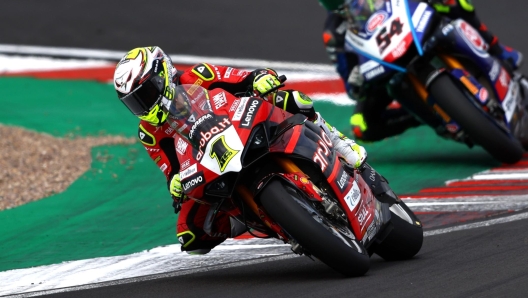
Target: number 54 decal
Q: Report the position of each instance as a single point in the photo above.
(384, 39)
(222, 152)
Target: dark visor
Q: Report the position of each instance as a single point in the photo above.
(141, 100)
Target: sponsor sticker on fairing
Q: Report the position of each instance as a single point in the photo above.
(185, 164)
(399, 50)
(420, 17)
(363, 216)
(234, 106)
(189, 171)
(219, 100)
(375, 21)
(483, 95)
(371, 230)
(509, 105)
(193, 181)
(374, 72)
(423, 21)
(198, 122)
(353, 196)
(342, 181)
(181, 146)
(495, 70)
(240, 109)
(472, 38)
(251, 111)
(228, 72)
(205, 136)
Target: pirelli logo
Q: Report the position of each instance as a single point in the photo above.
(195, 86)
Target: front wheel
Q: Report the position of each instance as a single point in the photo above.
(474, 122)
(330, 242)
(405, 239)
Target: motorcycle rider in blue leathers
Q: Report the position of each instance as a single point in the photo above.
(374, 119)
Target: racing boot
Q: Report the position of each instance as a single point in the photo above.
(354, 153)
(513, 57)
(228, 228)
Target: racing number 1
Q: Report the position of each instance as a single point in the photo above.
(222, 152)
(384, 39)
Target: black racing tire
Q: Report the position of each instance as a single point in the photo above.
(312, 235)
(480, 128)
(406, 237)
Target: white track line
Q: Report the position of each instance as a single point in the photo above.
(70, 276)
(500, 176)
(17, 64)
(176, 58)
(78, 275)
(486, 223)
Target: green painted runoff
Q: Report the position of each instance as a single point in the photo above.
(121, 205)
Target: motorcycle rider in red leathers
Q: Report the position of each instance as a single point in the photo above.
(145, 77)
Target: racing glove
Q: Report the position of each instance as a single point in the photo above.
(176, 192)
(265, 81)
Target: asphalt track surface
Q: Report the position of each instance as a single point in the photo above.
(482, 262)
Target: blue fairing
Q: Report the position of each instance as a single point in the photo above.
(424, 17)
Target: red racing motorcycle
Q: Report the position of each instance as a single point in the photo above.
(279, 174)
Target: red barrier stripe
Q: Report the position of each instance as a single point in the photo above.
(102, 74)
(106, 73)
(488, 182)
(451, 195)
(479, 188)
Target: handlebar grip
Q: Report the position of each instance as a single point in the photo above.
(272, 90)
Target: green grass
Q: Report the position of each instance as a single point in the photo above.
(121, 206)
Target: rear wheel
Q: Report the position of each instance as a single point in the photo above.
(406, 237)
(481, 129)
(329, 241)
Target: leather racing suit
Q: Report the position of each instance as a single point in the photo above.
(159, 143)
(374, 117)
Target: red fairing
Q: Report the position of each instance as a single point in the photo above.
(204, 75)
(502, 84)
(193, 175)
(355, 197)
(240, 113)
(353, 193)
(220, 133)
